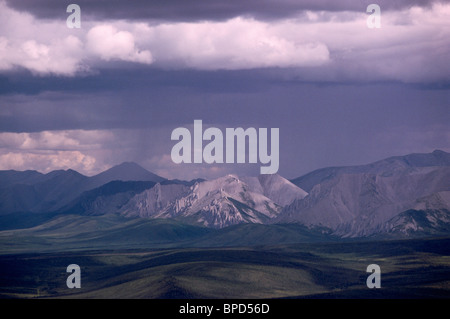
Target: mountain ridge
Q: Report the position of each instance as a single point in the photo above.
(22, 191)
(435, 158)
(388, 196)
(126, 171)
(355, 201)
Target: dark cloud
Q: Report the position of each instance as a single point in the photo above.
(133, 77)
(353, 109)
(320, 124)
(194, 10)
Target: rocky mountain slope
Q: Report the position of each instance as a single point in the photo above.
(364, 200)
(217, 203)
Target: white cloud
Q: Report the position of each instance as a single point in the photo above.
(50, 150)
(239, 43)
(58, 57)
(411, 45)
(48, 161)
(92, 151)
(48, 47)
(109, 43)
(56, 140)
(42, 47)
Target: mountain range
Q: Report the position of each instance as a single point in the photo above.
(31, 191)
(398, 196)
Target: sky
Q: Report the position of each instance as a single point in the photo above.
(113, 90)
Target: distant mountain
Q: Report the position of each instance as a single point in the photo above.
(11, 177)
(38, 192)
(395, 197)
(218, 203)
(363, 200)
(127, 171)
(31, 191)
(385, 167)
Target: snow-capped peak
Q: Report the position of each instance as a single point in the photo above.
(220, 202)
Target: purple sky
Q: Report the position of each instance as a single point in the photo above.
(113, 90)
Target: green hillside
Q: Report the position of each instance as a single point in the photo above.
(409, 269)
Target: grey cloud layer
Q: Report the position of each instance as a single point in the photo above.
(195, 10)
(320, 125)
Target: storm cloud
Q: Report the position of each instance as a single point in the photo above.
(113, 90)
(200, 10)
